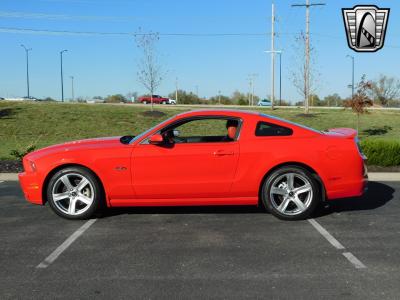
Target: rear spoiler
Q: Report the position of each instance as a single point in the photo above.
(349, 133)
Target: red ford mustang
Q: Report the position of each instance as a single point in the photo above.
(212, 157)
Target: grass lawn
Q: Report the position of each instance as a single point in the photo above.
(44, 124)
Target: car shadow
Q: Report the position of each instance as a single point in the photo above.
(378, 194)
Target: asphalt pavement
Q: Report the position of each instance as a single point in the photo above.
(349, 250)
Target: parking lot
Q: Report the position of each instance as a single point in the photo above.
(349, 250)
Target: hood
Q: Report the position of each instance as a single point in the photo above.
(94, 143)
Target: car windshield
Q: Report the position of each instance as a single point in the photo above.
(139, 136)
(290, 122)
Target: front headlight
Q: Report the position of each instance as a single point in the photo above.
(29, 165)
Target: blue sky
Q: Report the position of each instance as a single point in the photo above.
(107, 64)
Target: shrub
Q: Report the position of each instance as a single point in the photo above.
(381, 152)
(19, 154)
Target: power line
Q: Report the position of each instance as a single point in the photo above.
(69, 32)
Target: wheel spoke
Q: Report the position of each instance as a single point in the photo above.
(300, 205)
(72, 206)
(290, 180)
(60, 196)
(66, 182)
(278, 191)
(302, 189)
(84, 199)
(282, 207)
(84, 182)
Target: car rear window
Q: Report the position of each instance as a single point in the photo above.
(269, 129)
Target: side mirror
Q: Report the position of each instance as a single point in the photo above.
(156, 139)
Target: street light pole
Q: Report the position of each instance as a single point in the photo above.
(62, 78)
(27, 67)
(72, 87)
(176, 90)
(352, 75)
(280, 78)
(280, 72)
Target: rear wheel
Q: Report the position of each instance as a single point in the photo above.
(290, 193)
(74, 193)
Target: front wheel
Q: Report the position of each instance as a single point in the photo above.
(74, 193)
(290, 193)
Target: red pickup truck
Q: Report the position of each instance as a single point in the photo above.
(156, 100)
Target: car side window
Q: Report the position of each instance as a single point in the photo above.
(205, 130)
(270, 129)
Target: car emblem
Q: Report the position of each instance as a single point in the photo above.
(365, 27)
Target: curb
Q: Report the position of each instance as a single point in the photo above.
(372, 176)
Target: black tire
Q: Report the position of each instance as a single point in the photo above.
(74, 174)
(310, 199)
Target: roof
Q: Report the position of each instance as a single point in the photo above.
(235, 112)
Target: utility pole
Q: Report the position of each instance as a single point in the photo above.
(62, 79)
(176, 90)
(307, 52)
(219, 97)
(352, 75)
(72, 87)
(273, 56)
(251, 93)
(27, 67)
(280, 78)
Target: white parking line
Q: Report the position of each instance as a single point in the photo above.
(60, 249)
(354, 260)
(335, 243)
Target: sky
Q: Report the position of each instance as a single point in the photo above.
(104, 64)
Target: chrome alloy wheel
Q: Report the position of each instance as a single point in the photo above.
(73, 194)
(291, 194)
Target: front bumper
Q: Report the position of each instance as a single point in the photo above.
(31, 187)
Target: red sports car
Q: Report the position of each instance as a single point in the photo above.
(209, 157)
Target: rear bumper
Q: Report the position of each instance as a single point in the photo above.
(31, 187)
(355, 187)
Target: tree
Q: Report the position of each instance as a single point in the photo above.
(333, 100)
(150, 74)
(185, 97)
(385, 89)
(115, 98)
(360, 99)
(299, 75)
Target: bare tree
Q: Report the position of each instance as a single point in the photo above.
(360, 100)
(385, 89)
(150, 73)
(299, 74)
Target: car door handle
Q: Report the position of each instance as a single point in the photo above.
(223, 153)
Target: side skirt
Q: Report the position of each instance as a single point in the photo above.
(184, 202)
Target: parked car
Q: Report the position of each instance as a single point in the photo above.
(206, 157)
(1, 98)
(156, 100)
(30, 98)
(264, 102)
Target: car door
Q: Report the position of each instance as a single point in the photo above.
(184, 170)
